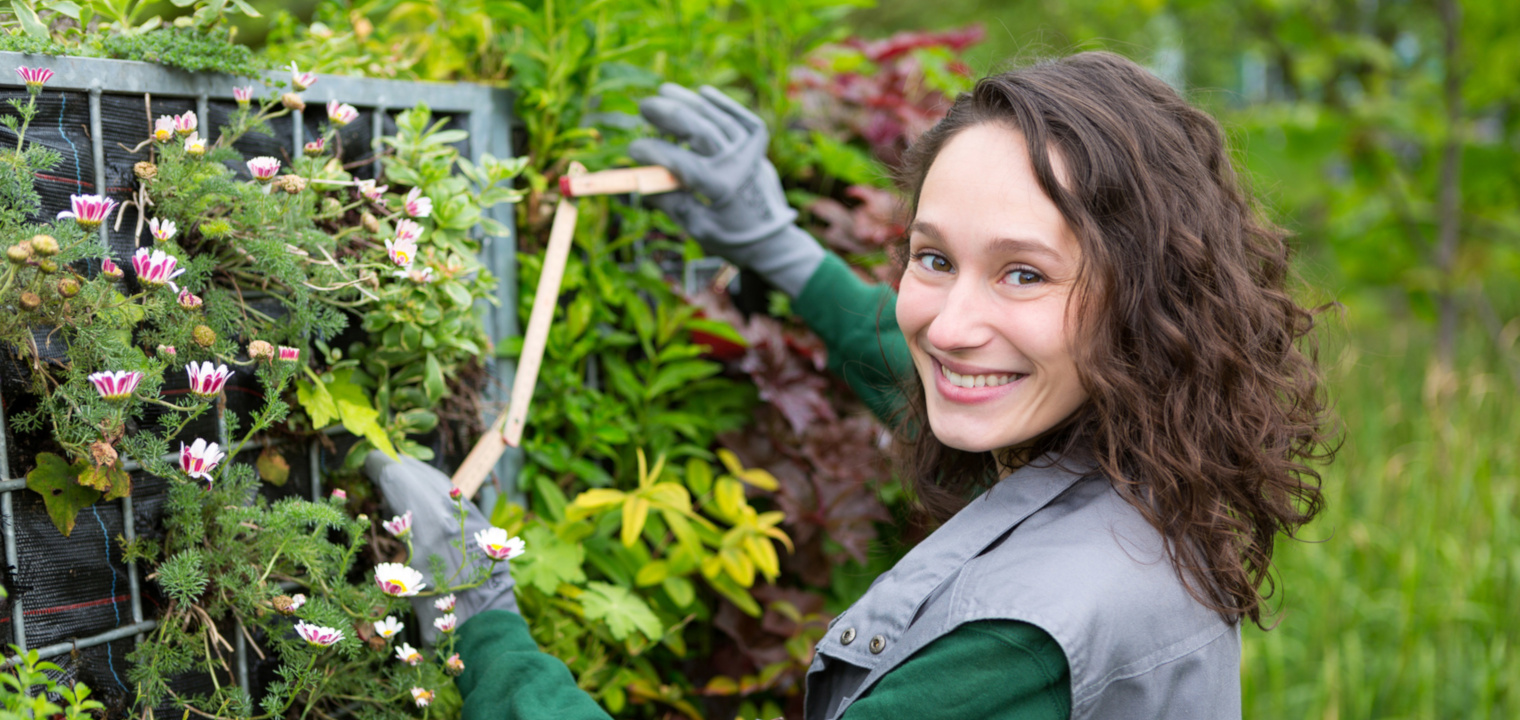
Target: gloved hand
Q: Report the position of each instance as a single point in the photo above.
(410, 484)
(746, 219)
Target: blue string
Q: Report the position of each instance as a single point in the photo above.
(78, 178)
(110, 661)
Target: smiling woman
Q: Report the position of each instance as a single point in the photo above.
(1101, 393)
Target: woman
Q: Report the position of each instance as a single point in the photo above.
(1105, 401)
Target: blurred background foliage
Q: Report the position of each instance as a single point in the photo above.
(1383, 133)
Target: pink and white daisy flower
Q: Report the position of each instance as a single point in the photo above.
(445, 603)
(207, 381)
(195, 145)
(189, 301)
(408, 231)
(163, 128)
(34, 78)
(340, 495)
(200, 458)
(88, 210)
(186, 123)
(454, 664)
(156, 268)
(264, 168)
(408, 654)
(388, 627)
(162, 230)
(301, 80)
(401, 250)
(341, 114)
(398, 580)
(314, 147)
(418, 205)
(243, 95)
(117, 385)
(289, 354)
(421, 276)
(109, 268)
(422, 696)
(493, 541)
(400, 525)
(318, 636)
(370, 190)
(447, 623)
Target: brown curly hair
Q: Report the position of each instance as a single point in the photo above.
(1205, 403)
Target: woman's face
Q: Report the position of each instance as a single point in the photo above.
(983, 303)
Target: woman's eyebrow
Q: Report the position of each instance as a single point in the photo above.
(997, 245)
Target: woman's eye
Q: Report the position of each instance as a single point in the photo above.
(933, 262)
(1025, 277)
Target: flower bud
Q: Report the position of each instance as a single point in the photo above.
(145, 170)
(188, 301)
(167, 350)
(340, 495)
(260, 350)
(30, 301)
(47, 265)
(203, 336)
(68, 287)
(19, 253)
(455, 494)
(293, 184)
(45, 245)
(331, 206)
(292, 101)
(370, 222)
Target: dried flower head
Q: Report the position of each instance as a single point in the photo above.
(292, 101)
(30, 300)
(203, 336)
(19, 253)
(67, 287)
(260, 350)
(144, 170)
(44, 245)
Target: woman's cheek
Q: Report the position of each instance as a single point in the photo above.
(916, 308)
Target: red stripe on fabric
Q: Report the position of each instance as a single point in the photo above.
(66, 608)
(57, 178)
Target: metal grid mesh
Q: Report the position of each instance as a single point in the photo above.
(484, 112)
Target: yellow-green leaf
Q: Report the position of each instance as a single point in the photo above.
(764, 554)
(698, 476)
(653, 573)
(759, 478)
(635, 512)
(730, 461)
(738, 566)
(729, 495)
(680, 590)
(669, 495)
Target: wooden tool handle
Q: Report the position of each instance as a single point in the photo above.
(647, 180)
(507, 429)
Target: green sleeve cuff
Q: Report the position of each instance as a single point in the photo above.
(506, 675)
(857, 321)
(980, 671)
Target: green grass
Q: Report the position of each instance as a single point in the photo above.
(1406, 601)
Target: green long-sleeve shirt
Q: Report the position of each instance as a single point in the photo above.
(981, 670)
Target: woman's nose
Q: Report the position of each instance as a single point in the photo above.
(963, 320)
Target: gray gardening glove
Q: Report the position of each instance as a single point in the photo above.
(410, 484)
(746, 219)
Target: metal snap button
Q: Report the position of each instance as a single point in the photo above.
(878, 644)
(847, 637)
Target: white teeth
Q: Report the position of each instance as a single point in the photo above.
(976, 381)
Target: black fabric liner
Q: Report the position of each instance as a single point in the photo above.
(77, 587)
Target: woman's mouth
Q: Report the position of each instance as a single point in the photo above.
(968, 388)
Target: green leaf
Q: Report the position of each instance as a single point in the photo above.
(357, 413)
(57, 482)
(273, 467)
(317, 402)
(621, 610)
(33, 26)
(681, 590)
(699, 476)
(680, 374)
(432, 379)
(652, 573)
(109, 479)
(550, 561)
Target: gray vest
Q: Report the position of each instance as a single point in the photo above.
(1063, 551)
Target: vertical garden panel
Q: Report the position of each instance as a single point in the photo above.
(77, 593)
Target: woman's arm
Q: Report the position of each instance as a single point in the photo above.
(857, 321)
(506, 675)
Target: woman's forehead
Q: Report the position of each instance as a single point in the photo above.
(982, 187)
